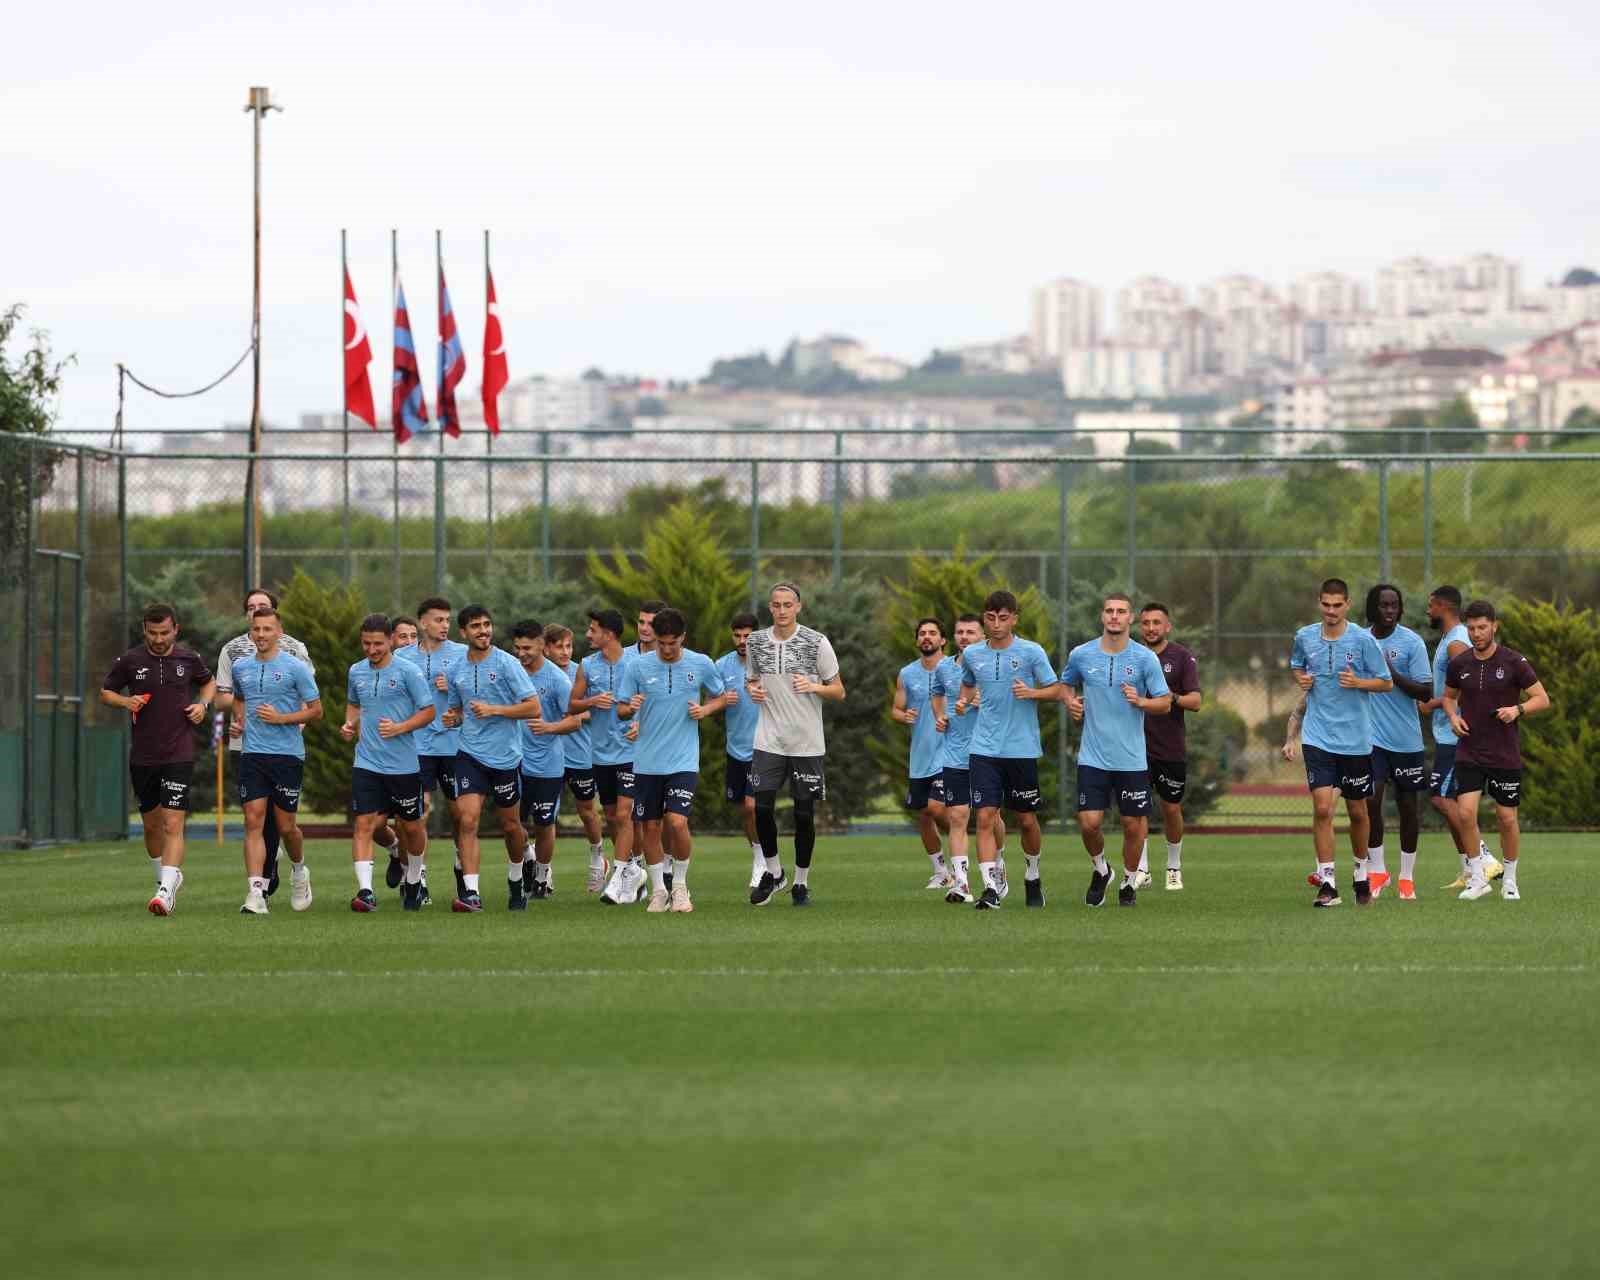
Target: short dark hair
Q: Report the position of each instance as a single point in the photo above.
(608, 619)
(969, 617)
(554, 633)
(1334, 587)
(1450, 595)
(1372, 599)
(259, 591)
(471, 612)
(996, 601)
(742, 621)
(376, 622)
(528, 629)
(160, 612)
(270, 611)
(652, 606)
(1116, 595)
(401, 620)
(432, 603)
(922, 622)
(669, 622)
(1480, 609)
(1155, 606)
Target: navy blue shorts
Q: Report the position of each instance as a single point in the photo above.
(736, 780)
(1170, 778)
(613, 781)
(580, 779)
(279, 777)
(958, 788)
(399, 794)
(541, 800)
(658, 793)
(1130, 788)
(999, 782)
(1503, 785)
(1351, 774)
(438, 771)
(474, 778)
(925, 791)
(1442, 777)
(1408, 769)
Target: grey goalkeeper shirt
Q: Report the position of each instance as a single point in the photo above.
(791, 723)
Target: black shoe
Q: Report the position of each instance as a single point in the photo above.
(1098, 884)
(528, 881)
(989, 900)
(1034, 889)
(271, 873)
(801, 895)
(770, 884)
(539, 890)
(516, 900)
(1327, 896)
(461, 885)
(1363, 893)
(411, 897)
(1126, 897)
(396, 873)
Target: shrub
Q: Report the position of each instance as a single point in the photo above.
(327, 620)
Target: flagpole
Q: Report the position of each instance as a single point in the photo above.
(344, 530)
(394, 437)
(438, 471)
(488, 440)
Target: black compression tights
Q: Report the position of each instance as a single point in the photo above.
(805, 827)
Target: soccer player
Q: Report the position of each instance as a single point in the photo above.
(544, 757)
(594, 689)
(165, 688)
(1005, 676)
(1444, 615)
(280, 695)
(402, 632)
(489, 694)
(437, 742)
(1112, 685)
(956, 725)
(579, 758)
(386, 702)
(1337, 664)
(1165, 742)
(239, 649)
(1397, 737)
(664, 688)
(913, 695)
(740, 722)
(790, 670)
(1484, 698)
(645, 644)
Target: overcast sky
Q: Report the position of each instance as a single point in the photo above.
(666, 183)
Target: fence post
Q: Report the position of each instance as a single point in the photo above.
(398, 579)
(1064, 544)
(30, 672)
(80, 655)
(1133, 518)
(1216, 607)
(544, 505)
(1427, 524)
(1383, 519)
(438, 516)
(838, 507)
(488, 500)
(122, 625)
(755, 531)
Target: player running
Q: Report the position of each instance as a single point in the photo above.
(913, 695)
(578, 753)
(1005, 676)
(1165, 743)
(594, 690)
(956, 724)
(386, 702)
(489, 694)
(1111, 685)
(1397, 737)
(280, 695)
(402, 632)
(790, 670)
(740, 723)
(664, 689)
(437, 743)
(544, 758)
(165, 688)
(1336, 664)
(1483, 696)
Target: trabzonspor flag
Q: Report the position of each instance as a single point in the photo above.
(452, 362)
(410, 409)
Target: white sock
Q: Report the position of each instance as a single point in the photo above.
(1101, 866)
(680, 872)
(937, 859)
(773, 866)
(1325, 872)
(987, 868)
(1144, 856)
(1000, 852)
(1408, 864)
(1483, 850)
(801, 874)
(298, 870)
(1375, 858)
(658, 876)
(960, 864)
(155, 869)
(1361, 870)
(364, 875)
(597, 856)
(1466, 863)
(1510, 880)
(414, 869)
(471, 881)
(256, 884)
(513, 872)
(169, 878)
(1174, 856)
(1032, 870)
(541, 872)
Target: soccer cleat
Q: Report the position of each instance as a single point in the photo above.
(989, 900)
(800, 895)
(1363, 893)
(681, 902)
(1509, 893)
(1408, 891)
(516, 900)
(1001, 884)
(1327, 895)
(538, 891)
(1034, 893)
(1141, 879)
(469, 901)
(300, 890)
(660, 902)
(612, 894)
(959, 892)
(411, 898)
(1127, 896)
(527, 875)
(364, 902)
(1174, 878)
(425, 899)
(1379, 880)
(394, 876)
(1496, 870)
(940, 880)
(770, 884)
(1099, 881)
(255, 904)
(163, 904)
(1477, 889)
(597, 876)
(636, 882)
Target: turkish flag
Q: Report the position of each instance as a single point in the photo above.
(357, 356)
(495, 376)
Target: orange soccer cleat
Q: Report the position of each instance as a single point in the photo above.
(1378, 880)
(1408, 891)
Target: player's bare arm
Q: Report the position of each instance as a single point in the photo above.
(269, 714)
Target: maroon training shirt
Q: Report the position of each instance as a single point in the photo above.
(1163, 735)
(162, 734)
(1486, 684)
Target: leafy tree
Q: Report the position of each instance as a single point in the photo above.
(751, 371)
(28, 391)
(327, 620)
(1582, 422)
(1457, 415)
(941, 362)
(512, 595)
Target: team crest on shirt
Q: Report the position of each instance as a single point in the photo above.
(393, 682)
(1127, 670)
(1015, 665)
(180, 673)
(492, 677)
(1167, 667)
(277, 677)
(1499, 673)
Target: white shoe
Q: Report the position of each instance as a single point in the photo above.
(1477, 889)
(1174, 878)
(1509, 893)
(959, 892)
(635, 882)
(940, 880)
(612, 894)
(597, 876)
(680, 898)
(659, 902)
(164, 903)
(1002, 886)
(1141, 879)
(255, 904)
(300, 890)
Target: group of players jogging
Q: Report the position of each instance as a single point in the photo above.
(619, 732)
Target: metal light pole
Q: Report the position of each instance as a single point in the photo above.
(260, 103)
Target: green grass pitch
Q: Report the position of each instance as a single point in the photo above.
(1219, 1082)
